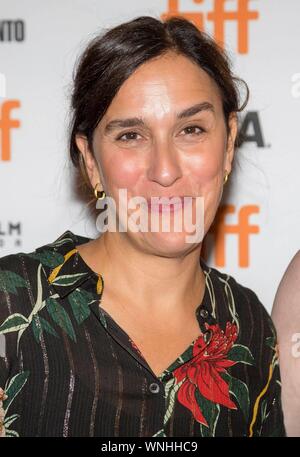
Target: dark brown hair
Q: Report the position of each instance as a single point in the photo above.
(111, 57)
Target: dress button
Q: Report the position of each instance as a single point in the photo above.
(154, 388)
(203, 313)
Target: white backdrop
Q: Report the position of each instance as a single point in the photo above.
(36, 61)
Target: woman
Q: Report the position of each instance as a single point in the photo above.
(131, 333)
(286, 317)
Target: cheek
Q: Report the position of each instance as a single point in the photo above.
(207, 170)
(207, 165)
(122, 170)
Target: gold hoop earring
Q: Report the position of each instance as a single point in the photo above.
(99, 195)
(225, 177)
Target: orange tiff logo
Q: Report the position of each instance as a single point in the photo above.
(219, 16)
(6, 124)
(242, 229)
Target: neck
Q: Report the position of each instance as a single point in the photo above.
(159, 285)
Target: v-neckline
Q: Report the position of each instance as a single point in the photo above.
(105, 314)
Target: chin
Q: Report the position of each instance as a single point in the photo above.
(170, 244)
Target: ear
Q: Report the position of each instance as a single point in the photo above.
(233, 129)
(89, 160)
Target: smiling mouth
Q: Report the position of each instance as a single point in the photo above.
(154, 205)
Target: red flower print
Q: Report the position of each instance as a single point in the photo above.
(202, 372)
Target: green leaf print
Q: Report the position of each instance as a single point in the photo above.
(67, 280)
(79, 301)
(240, 353)
(9, 281)
(210, 411)
(19, 323)
(36, 328)
(160, 433)
(271, 341)
(14, 323)
(60, 317)
(14, 387)
(48, 327)
(48, 258)
(39, 324)
(60, 242)
(38, 306)
(9, 420)
(12, 433)
(171, 388)
(240, 391)
(263, 410)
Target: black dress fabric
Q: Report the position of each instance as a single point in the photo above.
(68, 369)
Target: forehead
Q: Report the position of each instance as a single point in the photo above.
(165, 84)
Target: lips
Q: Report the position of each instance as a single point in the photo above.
(165, 205)
(154, 198)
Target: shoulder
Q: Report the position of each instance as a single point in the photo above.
(242, 300)
(255, 327)
(286, 307)
(16, 270)
(240, 291)
(24, 274)
(47, 255)
(291, 275)
(295, 262)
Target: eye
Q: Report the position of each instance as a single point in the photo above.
(127, 134)
(132, 136)
(190, 129)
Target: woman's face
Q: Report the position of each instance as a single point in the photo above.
(162, 153)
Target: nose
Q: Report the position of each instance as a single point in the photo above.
(164, 164)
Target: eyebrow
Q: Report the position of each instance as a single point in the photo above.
(137, 121)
